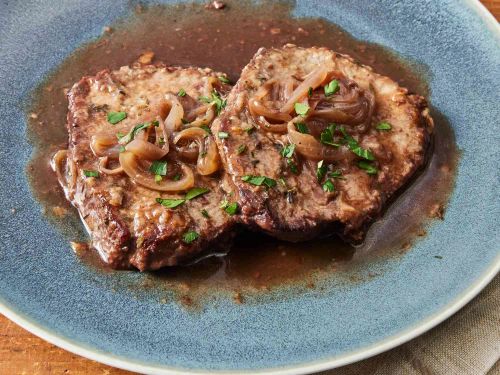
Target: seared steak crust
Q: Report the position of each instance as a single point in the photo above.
(127, 225)
(298, 208)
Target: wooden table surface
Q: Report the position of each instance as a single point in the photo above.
(23, 353)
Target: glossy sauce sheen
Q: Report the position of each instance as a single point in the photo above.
(194, 35)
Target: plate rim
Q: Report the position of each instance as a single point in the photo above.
(310, 367)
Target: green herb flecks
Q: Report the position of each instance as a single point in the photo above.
(259, 180)
(216, 100)
(367, 167)
(241, 149)
(332, 87)
(116, 117)
(384, 126)
(230, 208)
(328, 186)
(327, 135)
(222, 135)
(133, 132)
(196, 192)
(90, 173)
(224, 79)
(288, 150)
(355, 147)
(159, 168)
(205, 214)
(301, 108)
(181, 92)
(190, 237)
(170, 203)
(302, 128)
(321, 170)
(336, 174)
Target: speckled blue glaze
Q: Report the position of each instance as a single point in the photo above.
(45, 288)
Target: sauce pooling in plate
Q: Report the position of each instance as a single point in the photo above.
(194, 35)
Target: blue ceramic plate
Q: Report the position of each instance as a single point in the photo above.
(45, 289)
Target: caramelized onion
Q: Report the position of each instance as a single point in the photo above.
(132, 167)
(58, 164)
(105, 145)
(261, 112)
(273, 128)
(208, 157)
(146, 150)
(103, 162)
(258, 109)
(312, 80)
(207, 112)
(350, 105)
(175, 115)
(311, 148)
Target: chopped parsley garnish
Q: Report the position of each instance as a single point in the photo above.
(224, 79)
(222, 135)
(132, 133)
(120, 135)
(177, 177)
(203, 154)
(336, 174)
(205, 213)
(116, 117)
(288, 150)
(249, 129)
(206, 128)
(161, 142)
(326, 136)
(191, 194)
(301, 108)
(159, 168)
(355, 147)
(190, 236)
(122, 148)
(321, 170)
(367, 167)
(310, 92)
(90, 173)
(196, 192)
(241, 149)
(181, 92)
(184, 121)
(158, 178)
(231, 208)
(293, 167)
(216, 100)
(332, 87)
(384, 126)
(170, 203)
(328, 186)
(302, 128)
(259, 180)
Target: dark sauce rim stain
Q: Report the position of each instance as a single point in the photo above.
(257, 263)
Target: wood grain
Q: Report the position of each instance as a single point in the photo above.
(23, 353)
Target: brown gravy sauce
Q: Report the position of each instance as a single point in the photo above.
(225, 40)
